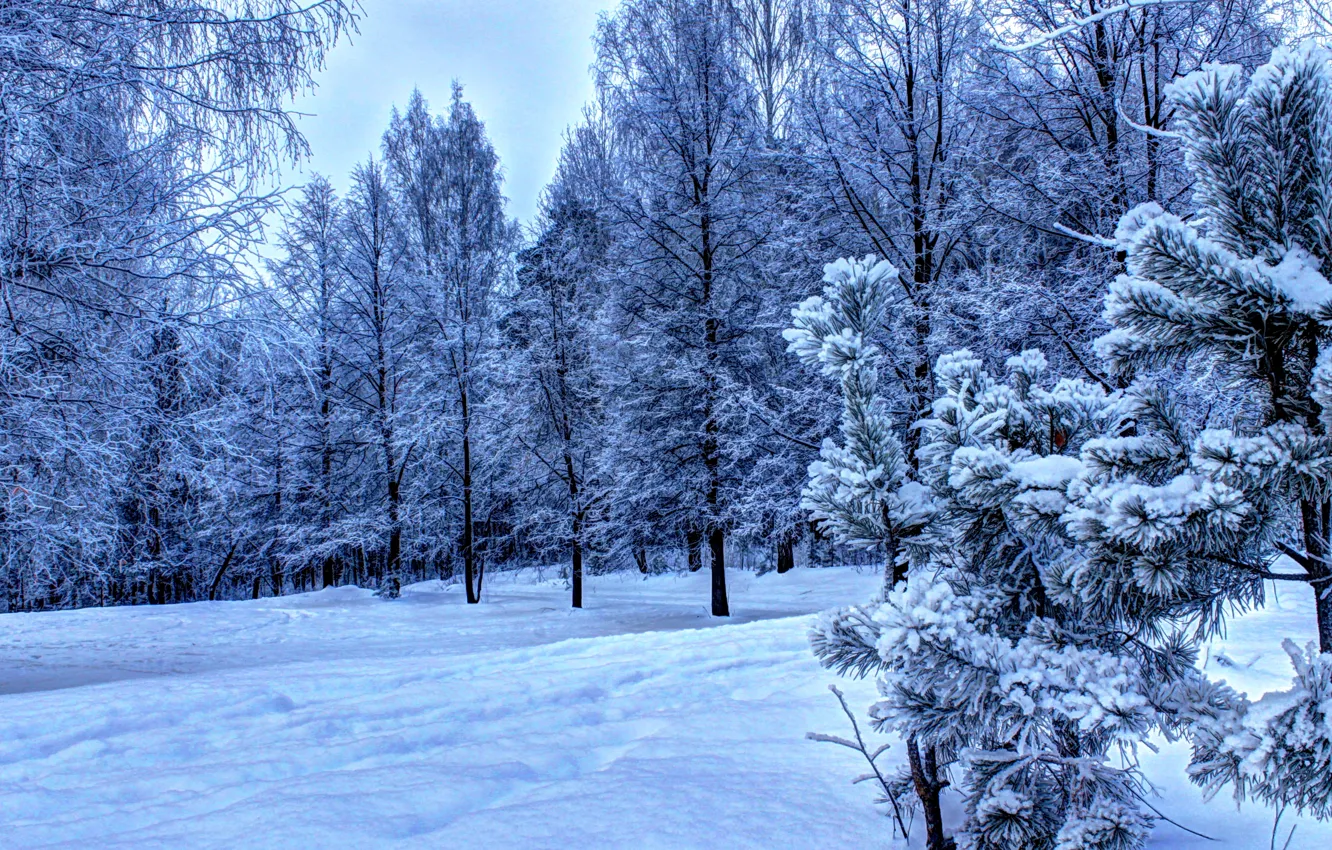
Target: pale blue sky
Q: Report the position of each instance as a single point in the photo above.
(523, 63)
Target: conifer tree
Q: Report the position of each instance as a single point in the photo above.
(692, 220)
(987, 668)
(860, 491)
(554, 333)
(1183, 520)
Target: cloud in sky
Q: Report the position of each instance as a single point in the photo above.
(523, 64)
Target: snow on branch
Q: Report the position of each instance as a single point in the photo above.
(1145, 128)
(1078, 23)
(1099, 241)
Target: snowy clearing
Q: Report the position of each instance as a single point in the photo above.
(334, 719)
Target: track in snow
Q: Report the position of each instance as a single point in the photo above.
(337, 720)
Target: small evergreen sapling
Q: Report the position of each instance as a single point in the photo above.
(861, 491)
(985, 655)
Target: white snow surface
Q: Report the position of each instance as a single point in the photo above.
(338, 720)
(1050, 471)
(1298, 278)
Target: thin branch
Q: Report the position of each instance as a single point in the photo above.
(1144, 128)
(860, 747)
(1078, 23)
(1098, 241)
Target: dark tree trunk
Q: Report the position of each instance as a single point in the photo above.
(221, 571)
(1324, 610)
(717, 544)
(391, 584)
(1316, 515)
(393, 563)
(1317, 525)
(470, 576)
(326, 459)
(928, 787)
(785, 553)
(576, 518)
(820, 547)
(641, 559)
(576, 576)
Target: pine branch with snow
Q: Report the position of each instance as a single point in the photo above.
(982, 654)
(1182, 523)
(860, 490)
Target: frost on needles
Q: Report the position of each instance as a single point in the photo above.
(1244, 292)
(1080, 539)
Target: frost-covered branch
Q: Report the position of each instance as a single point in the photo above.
(889, 794)
(1076, 24)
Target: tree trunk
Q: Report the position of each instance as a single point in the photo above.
(576, 575)
(785, 553)
(326, 450)
(1323, 606)
(469, 543)
(641, 559)
(717, 543)
(925, 780)
(1317, 524)
(576, 518)
(1315, 515)
(221, 571)
(391, 583)
(820, 547)
(392, 578)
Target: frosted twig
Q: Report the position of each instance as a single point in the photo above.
(1145, 128)
(1171, 821)
(1276, 825)
(859, 746)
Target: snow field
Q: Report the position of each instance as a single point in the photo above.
(336, 720)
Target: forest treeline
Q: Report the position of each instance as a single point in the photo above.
(417, 387)
(1026, 302)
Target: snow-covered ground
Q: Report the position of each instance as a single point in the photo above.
(334, 719)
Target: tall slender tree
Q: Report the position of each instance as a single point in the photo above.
(448, 176)
(556, 330)
(680, 105)
(380, 331)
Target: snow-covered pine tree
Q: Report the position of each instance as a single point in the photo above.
(860, 491)
(983, 659)
(984, 655)
(1183, 523)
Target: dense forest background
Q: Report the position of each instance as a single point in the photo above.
(417, 387)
